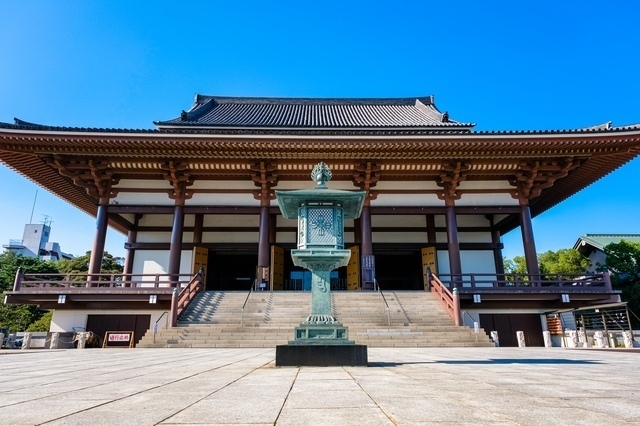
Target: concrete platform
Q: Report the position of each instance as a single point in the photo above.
(480, 386)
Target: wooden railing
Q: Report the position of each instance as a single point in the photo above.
(181, 300)
(448, 298)
(527, 282)
(71, 282)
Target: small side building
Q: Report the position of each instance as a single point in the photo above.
(592, 246)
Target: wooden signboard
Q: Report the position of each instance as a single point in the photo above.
(353, 269)
(118, 339)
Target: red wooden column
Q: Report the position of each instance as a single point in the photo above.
(365, 229)
(180, 178)
(132, 236)
(198, 227)
(99, 239)
(528, 242)
(175, 250)
(453, 243)
(264, 248)
(431, 229)
(265, 176)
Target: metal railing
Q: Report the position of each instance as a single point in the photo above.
(181, 299)
(155, 326)
(246, 300)
(384, 300)
(446, 297)
(76, 281)
(528, 282)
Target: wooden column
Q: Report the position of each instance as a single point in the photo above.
(528, 242)
(365, 224)
(132, 236)
(431, 229)
(453, 243)
(175, 250)
(198, 226)
(497, 252)
(97, 252)
(264, 248)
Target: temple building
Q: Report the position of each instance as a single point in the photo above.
(198, 192)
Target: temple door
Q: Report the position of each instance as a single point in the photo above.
(353, 269)
(277, 268)
(429, 261)
(200, 258)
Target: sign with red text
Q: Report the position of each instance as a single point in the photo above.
(118, 339)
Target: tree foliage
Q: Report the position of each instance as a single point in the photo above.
(20, 317)
(623, 262)
(78, 265)
(561, 262)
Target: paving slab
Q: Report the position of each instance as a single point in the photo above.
(401, 386)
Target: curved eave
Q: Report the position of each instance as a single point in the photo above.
(602, 152)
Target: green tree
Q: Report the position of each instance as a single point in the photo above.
(623, 261)
(18, 317)
(78, 265)
(563, 261)
(43, 324)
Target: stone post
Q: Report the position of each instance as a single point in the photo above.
(628, 339)
(547, 339)
(1, 340)
(600, 340)
(494, 337)
(82, 340)
(521, 341)
(55, 340)
(582, 338)
(26, 340)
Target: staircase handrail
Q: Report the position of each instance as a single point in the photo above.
(155, 326)
(246, 300)
(384, 300)
(445, 296)
(181, 300)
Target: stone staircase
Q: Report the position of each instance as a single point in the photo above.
(215, 319)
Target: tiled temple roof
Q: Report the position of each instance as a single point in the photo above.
(314, 113)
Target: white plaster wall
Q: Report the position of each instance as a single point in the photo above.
(156, 220)
(399, 237)
(157, 262)
(69, 321)
(240, 220)
(486, 200)
(153, 237)
(222, 200)
(282, 222)
(146, 199)
(230, 237)
(227, 184)
(286, 237)
(399, 200)
(472, 261)
(418, 221)
(471, 220)
(485, 184)
(474, 237)
(144, 184)
(403, 185)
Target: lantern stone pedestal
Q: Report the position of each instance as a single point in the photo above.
(321, 340)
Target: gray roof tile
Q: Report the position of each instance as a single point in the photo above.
(213, 111)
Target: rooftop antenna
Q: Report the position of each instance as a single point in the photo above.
(46, 220)
(33, 208)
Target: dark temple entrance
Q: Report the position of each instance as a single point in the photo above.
(399, 269)
(231, 271)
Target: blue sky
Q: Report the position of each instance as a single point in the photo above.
(504, 65)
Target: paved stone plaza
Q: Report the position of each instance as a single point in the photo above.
(509, 386)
